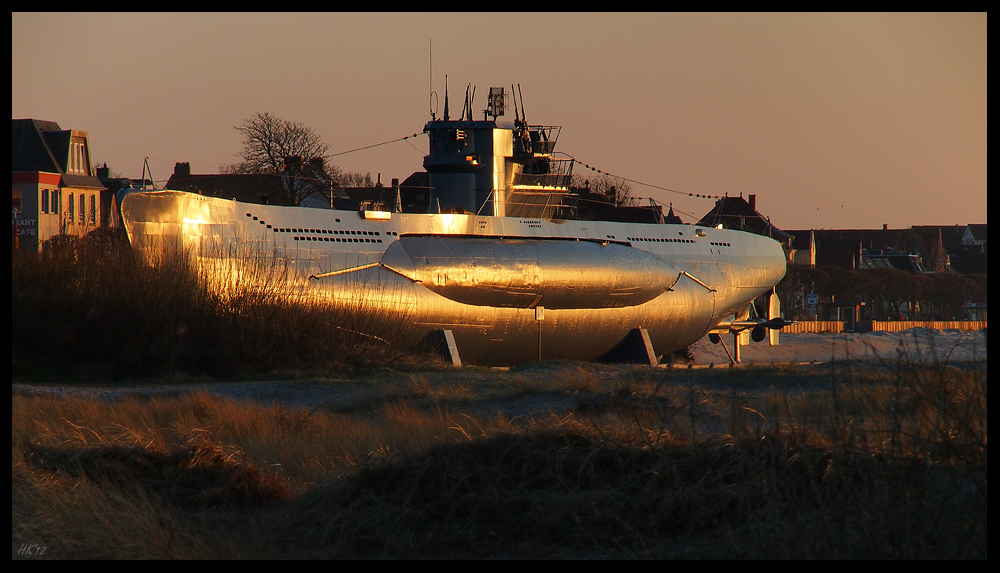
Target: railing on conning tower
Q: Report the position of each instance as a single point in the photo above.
(546, 173)
(543, 138)
(536, 140)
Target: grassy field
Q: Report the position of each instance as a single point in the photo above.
(552, 460)
(555, 460)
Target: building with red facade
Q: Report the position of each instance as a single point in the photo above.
(54, 189)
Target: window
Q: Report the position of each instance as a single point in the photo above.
(15, 200)
(55, 201)
(83, 207)
(78, 156)
(92, 214)
(45, 200)
(69, 209)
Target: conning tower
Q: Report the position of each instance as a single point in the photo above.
(493, 166)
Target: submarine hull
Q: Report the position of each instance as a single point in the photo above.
(504, 286)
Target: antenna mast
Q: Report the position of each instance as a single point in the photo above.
(145, 170)
(430, 80)
(447, 117)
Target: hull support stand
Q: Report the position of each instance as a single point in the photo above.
(442, 343)
(635, 348)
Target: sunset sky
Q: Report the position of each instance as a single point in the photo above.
(833, 120)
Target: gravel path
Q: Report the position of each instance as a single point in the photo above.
(918, 345)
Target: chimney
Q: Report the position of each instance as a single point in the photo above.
(885, 226)
(753, 202)
(182, 169)
(104, 172)
(293, 161)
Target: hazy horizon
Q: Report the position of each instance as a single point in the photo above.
(835, 120)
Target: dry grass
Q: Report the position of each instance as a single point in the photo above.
(93, 308)
(625, 462)
(550, 460)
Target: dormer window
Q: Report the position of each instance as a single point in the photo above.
(78, 157)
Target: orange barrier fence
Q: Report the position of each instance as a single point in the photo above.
(815, 326)
(835, 326)
(898, 325)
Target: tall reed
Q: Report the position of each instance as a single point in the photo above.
(94, 307)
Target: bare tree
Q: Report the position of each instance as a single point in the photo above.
(356, 179)
(295, 153)
(616, 189)
(269, 140)
(288, 150)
